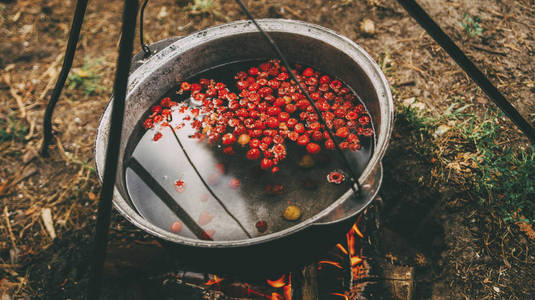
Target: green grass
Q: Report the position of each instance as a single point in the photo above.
(471, 25)
(86, 78)
(12, 128)
(202, 6)
(505, 174)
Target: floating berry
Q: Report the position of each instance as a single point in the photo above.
(156, 109)
(176, 226)
(329, 144)
(148, 123)
(272, 122)
(208, 235)
(275, 189)
(313, 148)
(180, 186)
(234, 183)
(303, 140)
(228, 139)
(229, 150)
(292, 213)
(185, 86)
(299, 128)
(165, 102)
(244, 139)
(342, 132)
(266, 163)
(204, 218)
(335, 177)
(158, 135)
(308, 72)
(261, 226)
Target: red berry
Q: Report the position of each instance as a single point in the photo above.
(308, 72)
(253, 71)
(291, 122)
(364, 120)
(284, 116)
(324, 79)
(273, 111)
(195, 87)
(274, 169)
(229, 150)
(228, 139)
(317, 135)
(272, 122)
(176, 226)
(342, 132)
(148, 123)
(329, 144)
(266, 163)
(303, 140)
(293, 136)
(253, 154)
(313, 148)
(261, 226)
(158, 135)
(234, 183)
(185, 86)
(299, 128)
(254, 143)
(204, 218)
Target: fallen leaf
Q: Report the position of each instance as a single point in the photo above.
(92, 196)
(441, 130)
(526, 228)
(46, 215)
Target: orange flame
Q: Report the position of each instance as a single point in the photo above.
(341, 248)
(355, 260)
(341, 295)
(288, 288)
(357, 231)
(276, 296)
(330, 263)
(278, 283)
(216, 280)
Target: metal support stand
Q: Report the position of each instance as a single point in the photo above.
(112, 152)
(74, 35)
(467, 65)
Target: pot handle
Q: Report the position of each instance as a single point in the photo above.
(351, 206)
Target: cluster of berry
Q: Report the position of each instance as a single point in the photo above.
(268, 110)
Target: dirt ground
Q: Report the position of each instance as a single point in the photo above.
(466, 249)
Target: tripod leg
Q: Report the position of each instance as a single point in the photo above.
(74, 35)
(112, 151)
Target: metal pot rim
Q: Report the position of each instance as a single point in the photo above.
(313, 31)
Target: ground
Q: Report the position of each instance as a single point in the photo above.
(457, 183)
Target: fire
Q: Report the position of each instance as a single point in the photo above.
(341, 295)
(278, 283)
(355, 260)
(339, 246)
(288, 288)
(215, 280)
(356, 230)
(333, 263)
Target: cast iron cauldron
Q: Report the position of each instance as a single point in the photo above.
(301, 42)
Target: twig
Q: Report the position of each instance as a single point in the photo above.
(11, 235)
(18, 98)
(488, 50)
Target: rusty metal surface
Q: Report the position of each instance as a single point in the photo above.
(301, 42)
